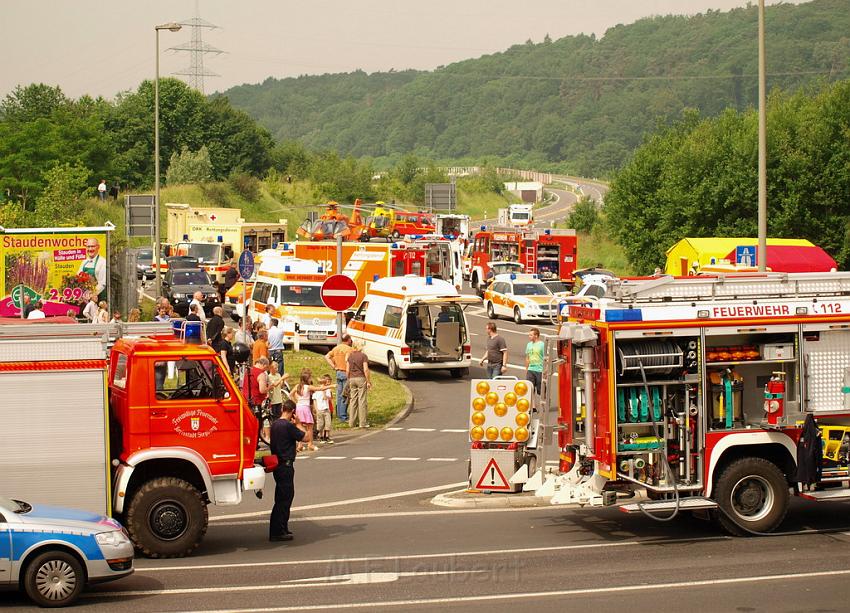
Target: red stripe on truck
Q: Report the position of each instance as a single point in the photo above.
(53, 365)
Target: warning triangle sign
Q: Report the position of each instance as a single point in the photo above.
(492, 478)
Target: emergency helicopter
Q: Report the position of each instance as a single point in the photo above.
(333, 222)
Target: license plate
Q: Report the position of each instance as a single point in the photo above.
(316, 336)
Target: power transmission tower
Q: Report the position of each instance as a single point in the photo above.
(197, 48)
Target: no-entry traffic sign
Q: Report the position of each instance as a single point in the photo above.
(339, 293)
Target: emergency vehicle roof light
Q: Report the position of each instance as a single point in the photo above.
(375, 277)
(321, 269)
(429, 280)
(286, 246)
(513, 276)
(286, 269)
(185, 237)
(483, 227)
(623, 315)
(220, 238)
(394, 245)
(547, 231)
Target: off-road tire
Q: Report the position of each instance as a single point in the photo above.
(171, 500)
(38, 579)
(753, 497)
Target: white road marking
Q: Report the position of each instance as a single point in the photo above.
(339, 503)
(330, 457)
(448, 554)
(403, 459)
(395, 428)
(369, 457)
(316, 518)
(453, 430)
(553, 593)
(350, 579)
(421, 429)
(441, 460)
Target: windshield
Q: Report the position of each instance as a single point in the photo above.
(328, 227)
(530, 289)
(145, 255)
(206, 254)
(301, 295)
(189, 277)
(500, 269)
(557, 286)
(380, 221)
(520, 215)
(16, 506)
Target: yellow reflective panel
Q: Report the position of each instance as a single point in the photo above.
(521, 433)
(522, 419)
(483, 387)
(478, 418)
(510, 399)
(478, 404)
(507, 433)
(501, 409)
(477, 433)
(492, 433)
(522, 404)
(492, 398)
(521, 388)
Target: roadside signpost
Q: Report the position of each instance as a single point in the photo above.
(246, 270)
(339, 293)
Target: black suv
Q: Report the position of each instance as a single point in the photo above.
(180, 284)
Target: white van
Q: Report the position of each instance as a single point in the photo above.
(292, 287)
(414, 323)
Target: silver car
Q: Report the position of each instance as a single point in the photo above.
(54, 552)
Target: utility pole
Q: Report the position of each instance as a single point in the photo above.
(762, 219)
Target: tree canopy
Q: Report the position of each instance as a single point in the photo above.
(699, 177)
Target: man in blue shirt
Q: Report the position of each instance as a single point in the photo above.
(276, 344)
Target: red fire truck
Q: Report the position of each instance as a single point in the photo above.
(694, 392)
(147, 428)
(551, 254)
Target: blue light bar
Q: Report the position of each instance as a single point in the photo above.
(547, 231)
(220, 238)
(375, 277)
(513, 276)
(286, 269)
(623, 315)
(429, 280)
(321, 269)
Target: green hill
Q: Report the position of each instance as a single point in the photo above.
(577, 104)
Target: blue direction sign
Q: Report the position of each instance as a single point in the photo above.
(246, 265)
(746, 255)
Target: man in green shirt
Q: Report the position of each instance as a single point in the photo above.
(534, 359)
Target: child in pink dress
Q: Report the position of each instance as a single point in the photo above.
(301, 395)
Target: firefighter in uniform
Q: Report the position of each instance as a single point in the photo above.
(285, 434)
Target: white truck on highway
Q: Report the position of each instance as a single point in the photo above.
(516, 215)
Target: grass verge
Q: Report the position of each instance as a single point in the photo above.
(386, 399)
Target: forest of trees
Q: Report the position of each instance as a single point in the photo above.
(699, 177)
(577, 104)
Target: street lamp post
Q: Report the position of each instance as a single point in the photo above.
(762, 219)
(171, 27)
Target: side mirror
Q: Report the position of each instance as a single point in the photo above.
(219, 389)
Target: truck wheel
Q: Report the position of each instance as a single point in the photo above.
(753, 497)
(474, 283)
(54, 579)
(517, 316)
(395, 235)
(491, 312)
(167, 518)
(459, 373)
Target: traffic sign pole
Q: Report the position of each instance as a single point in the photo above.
(246, 269)
(339, 316)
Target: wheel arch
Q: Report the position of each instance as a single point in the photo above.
(45, 546)
(148, 464)
(774, 447)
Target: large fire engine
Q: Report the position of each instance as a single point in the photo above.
(695, 390)
(147, 428)
(551, 254)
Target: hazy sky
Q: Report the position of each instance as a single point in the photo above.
(101, 47)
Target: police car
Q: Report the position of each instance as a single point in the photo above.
(520, 296)
(53, 552)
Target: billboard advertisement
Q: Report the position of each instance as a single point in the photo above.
(63, 267)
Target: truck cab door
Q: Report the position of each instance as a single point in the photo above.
(190, 410)
(5, 551)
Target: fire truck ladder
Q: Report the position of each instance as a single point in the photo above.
(730, 287)
(530, 253)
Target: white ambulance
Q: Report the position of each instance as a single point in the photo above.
(289, 289)
(414, 323)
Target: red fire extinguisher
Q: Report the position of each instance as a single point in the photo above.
(774, 398)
